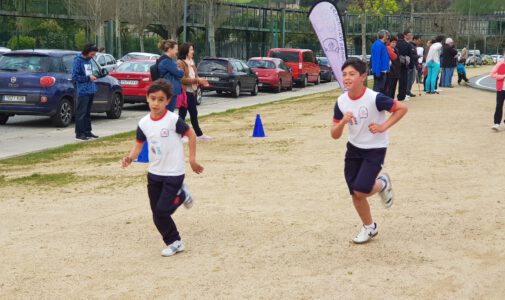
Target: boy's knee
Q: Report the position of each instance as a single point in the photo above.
(358, 195)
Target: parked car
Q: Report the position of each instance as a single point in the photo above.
(134, 78)
(302, 63)
(474, 59)
(137, 56)
(497, 58)
(272, 73)
(325, 69)
(228, 75)
(106, 61)
(4, 50)
(487, 60)
(39, 82)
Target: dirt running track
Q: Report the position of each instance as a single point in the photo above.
(273, 219)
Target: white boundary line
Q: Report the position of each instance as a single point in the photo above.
(480, 79)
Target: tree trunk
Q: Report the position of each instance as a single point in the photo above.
(141, 39)
(100, 35)
(119, 49)
(363, 34)
(211, 39)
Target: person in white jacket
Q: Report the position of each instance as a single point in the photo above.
(433, 64)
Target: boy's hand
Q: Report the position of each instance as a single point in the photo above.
(348, 117)
(125, 162)
(375, 128)
(92, 78)
(197, 168)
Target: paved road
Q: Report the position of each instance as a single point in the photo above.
(24, 134)
(483, 82)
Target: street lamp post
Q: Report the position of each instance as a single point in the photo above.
(185, 22)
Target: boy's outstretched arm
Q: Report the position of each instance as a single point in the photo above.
(197, 168)
(398, 112)
(134, 153)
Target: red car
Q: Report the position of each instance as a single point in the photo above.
(302, 62)
(272, 73)
(134, 78)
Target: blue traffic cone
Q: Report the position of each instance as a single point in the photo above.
(144, 154)
(258, 128)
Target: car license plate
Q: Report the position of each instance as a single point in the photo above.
(128, 82)
(212, 78)
(12, 98)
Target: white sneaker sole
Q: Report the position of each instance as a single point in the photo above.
(364, 242)
(495, 129)
(389, 190)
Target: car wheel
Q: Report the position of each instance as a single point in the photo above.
(64, 113)
(236, 91)
(199, 96)
(3, 119)
(305, 81)
(279, 87)
(254, 92)
(318, 81)
(116, 108)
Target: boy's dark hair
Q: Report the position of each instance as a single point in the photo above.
(416, 37)
(184, 50)
(393, 39)
(406, 32)
(356, 63)
(161, 85)
(439, 39)
(400, 36)
(88, 48)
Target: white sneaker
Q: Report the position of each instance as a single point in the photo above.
(407, 98)
(366, 234)
(204, 138)
(386, 193)
(173, 248)
(439, 90)
(188, 201)
(496, 127)
(185, 139)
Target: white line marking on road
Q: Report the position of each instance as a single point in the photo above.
(478, 81)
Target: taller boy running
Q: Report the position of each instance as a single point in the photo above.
(365, 112)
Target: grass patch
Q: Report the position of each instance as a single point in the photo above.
(64, 151)
(55, 179)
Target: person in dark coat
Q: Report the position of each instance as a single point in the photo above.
(394, 70)
(404, 52)
(448, 63)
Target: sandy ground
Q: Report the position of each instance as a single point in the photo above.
(273, 218)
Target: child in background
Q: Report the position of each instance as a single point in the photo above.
(461, 71)
(498, 74)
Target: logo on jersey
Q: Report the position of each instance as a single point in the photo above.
(164, 132)
(363, 112)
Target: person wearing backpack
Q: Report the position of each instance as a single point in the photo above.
(404, 52)
(167, 69)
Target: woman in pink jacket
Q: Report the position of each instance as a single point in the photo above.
(498, 74)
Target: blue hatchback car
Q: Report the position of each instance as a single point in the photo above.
(39, 82)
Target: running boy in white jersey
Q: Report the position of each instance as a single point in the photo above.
(163, 130)
(365, 112)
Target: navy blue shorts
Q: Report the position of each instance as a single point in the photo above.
(362, 166)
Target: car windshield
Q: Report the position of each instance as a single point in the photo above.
(213, 65)
(136, 67)
(293, 57)
(30, 63)
(323, 61)
(261, 64)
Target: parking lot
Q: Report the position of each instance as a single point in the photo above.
(24, 134)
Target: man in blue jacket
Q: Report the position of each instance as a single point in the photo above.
(380, 61)
(83, 78)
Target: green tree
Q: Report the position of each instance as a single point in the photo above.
(21, 42)
(374, 7)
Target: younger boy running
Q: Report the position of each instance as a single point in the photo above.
(498, 74)
(365, 112)
(163, 130)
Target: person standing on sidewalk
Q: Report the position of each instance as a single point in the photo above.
(413, 60)
(498, 74)
(380, 61)
(433, 65)
(405, 52)
(394, 70)
(82, 76)
(190, 83)
(167, 68)
(448, 63)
